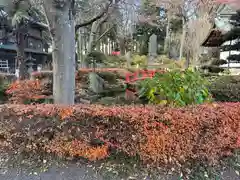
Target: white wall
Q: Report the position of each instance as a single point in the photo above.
(224, 55)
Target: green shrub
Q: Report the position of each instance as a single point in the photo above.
(175, 88)
(211, 65)
(115, 61)
(3, 88)
(170, 63)
(4, 81)
(138, 60)
(226, 88)
(110, 77)
(95, 57)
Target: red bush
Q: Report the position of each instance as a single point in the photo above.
(42, 75)
(157, 135)
(22, 91)
(41, 86)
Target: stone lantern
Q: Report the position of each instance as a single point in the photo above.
(30, 61)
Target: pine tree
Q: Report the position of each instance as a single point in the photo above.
(234, 37)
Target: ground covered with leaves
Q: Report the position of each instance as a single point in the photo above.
(158, 137)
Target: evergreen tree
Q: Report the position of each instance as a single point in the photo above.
(234, 37)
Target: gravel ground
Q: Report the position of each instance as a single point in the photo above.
(72, 172)
(35, 167)
(54, 173)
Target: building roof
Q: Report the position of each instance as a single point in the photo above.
(221, 25)
(214, 38)
(13, 47)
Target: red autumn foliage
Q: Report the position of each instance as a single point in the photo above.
(41, 87)
(22, 91)
(78, 148)
(158, 135)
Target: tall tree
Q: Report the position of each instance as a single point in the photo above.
(60, 18)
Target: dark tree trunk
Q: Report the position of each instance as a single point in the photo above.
(187, 63)
(21, 58)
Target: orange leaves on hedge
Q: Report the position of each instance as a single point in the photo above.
(21, 91)
(97, 153)
(204, 132)
(154, 148)
(66, 113)
(78, 148)
(238, 142)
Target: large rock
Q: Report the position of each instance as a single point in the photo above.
(96, 83)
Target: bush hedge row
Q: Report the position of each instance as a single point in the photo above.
(40, 87)
(226, 88)
(157, 135)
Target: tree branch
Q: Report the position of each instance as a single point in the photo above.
(99, 16)
(104, 33)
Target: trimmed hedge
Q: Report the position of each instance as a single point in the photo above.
(157, 135)
(27, 91)
(40, 88)
(80, 75)
(5, 79)
(226, 88)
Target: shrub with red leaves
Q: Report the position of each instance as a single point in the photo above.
(21, 92)
(42, 75)
(40, 88)
(158, 135)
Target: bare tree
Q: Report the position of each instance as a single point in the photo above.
(95, 28)
(125, 27)
(186, 10)
(196, 32)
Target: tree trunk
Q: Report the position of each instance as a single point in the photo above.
(187, 63)
(63, 38)
(81, 41)
(184, 30)
(112, 46)
(106, 49)
(64, 61)
(91, 41)
(166, 42)
(21, 58)
(128, 58)
(98, 43)
(109, 46)
(122, 46)
(92, 37)
(80, 46)
(85, 46)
